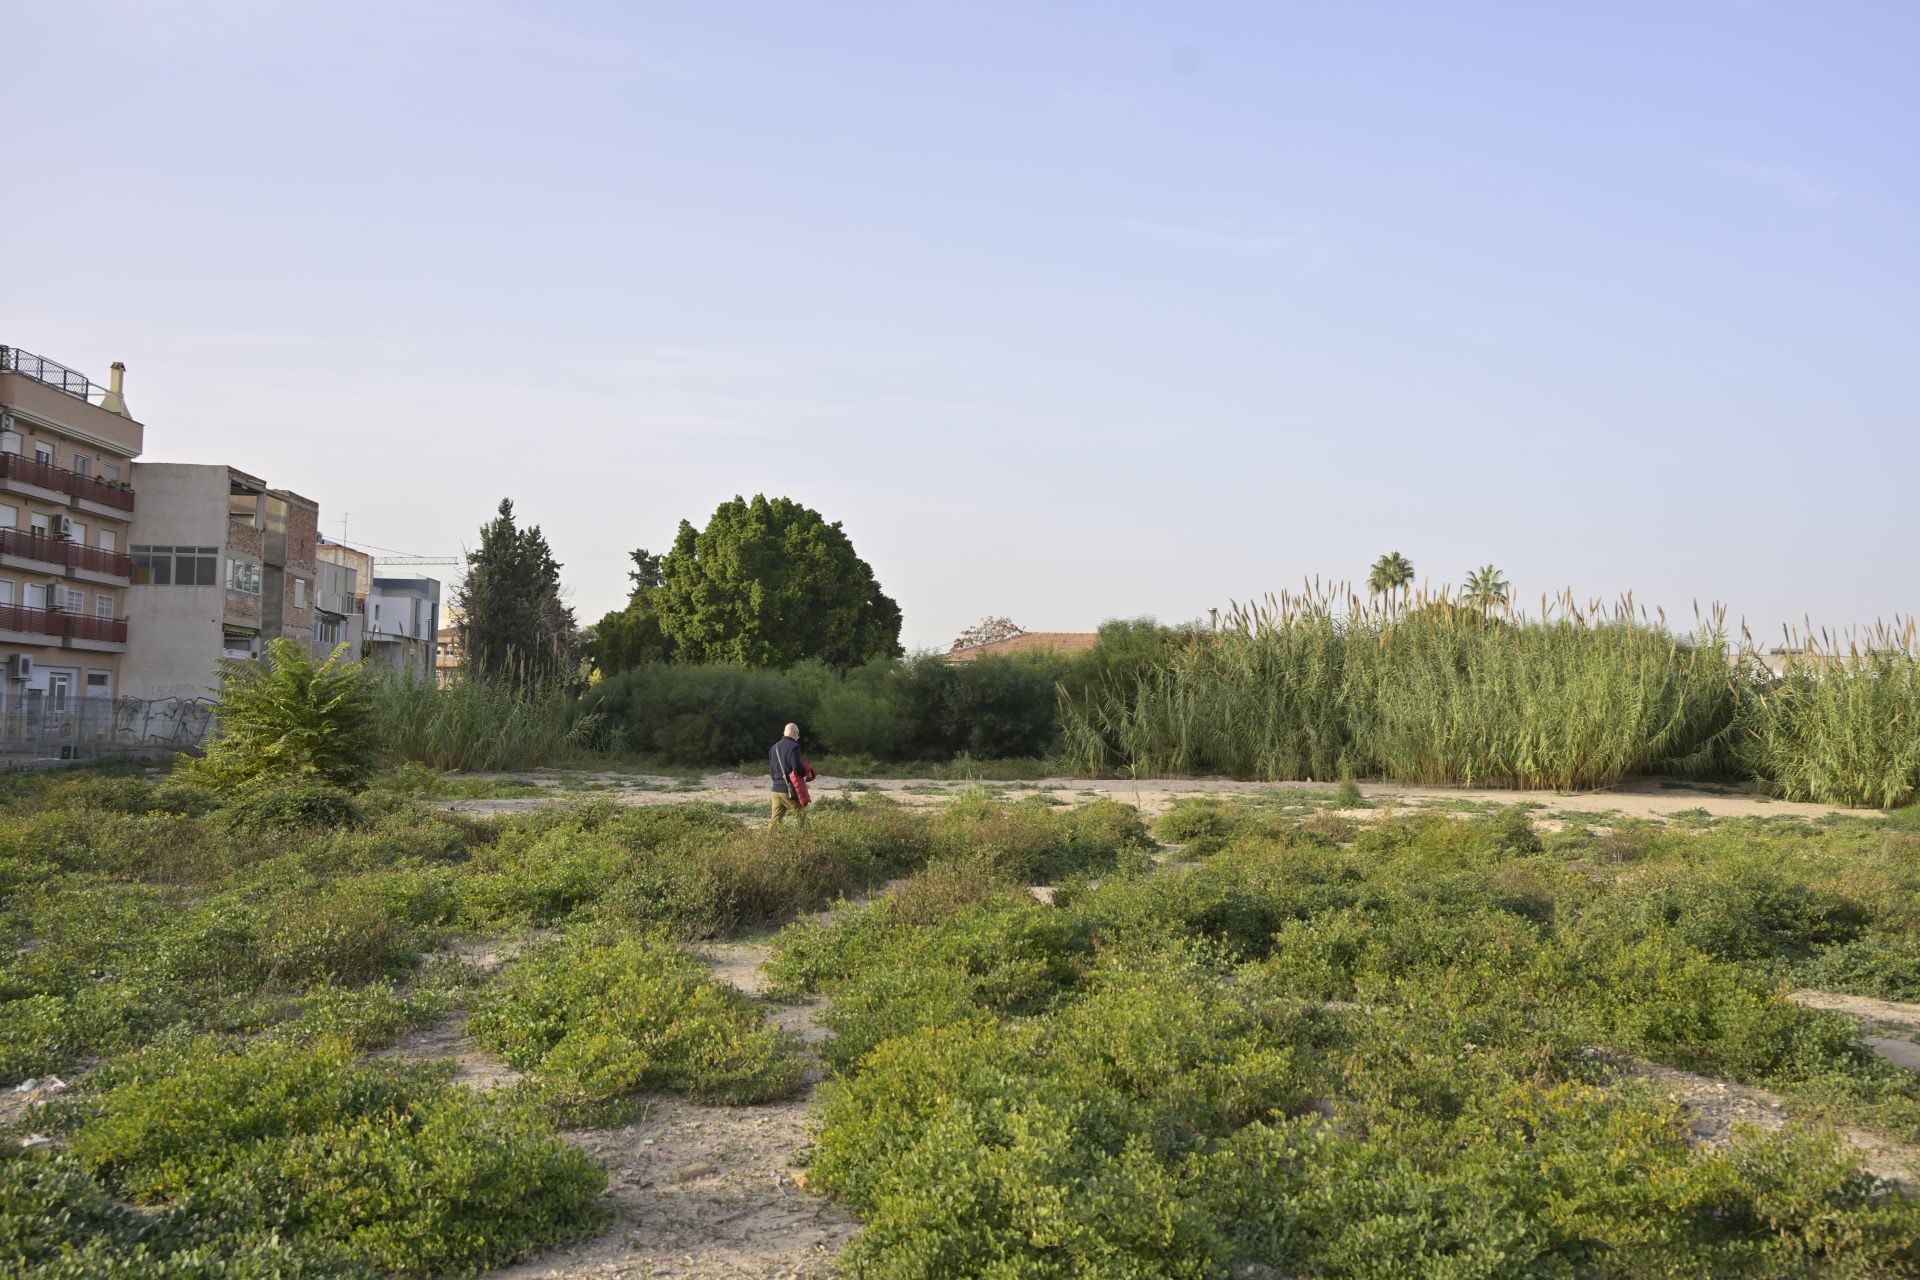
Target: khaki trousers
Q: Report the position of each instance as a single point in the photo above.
(784, 804)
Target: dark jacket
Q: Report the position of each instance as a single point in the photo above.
(783, 760)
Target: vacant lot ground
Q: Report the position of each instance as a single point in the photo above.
(949, 1029)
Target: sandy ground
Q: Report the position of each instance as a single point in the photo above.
(695, 1192)
(1640, 798)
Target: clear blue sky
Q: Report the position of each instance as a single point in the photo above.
(1067, 311)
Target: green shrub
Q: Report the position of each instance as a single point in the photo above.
(596, 1018)
(379, 1165)
(267, 809)
(289, 718)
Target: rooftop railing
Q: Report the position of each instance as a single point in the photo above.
(41, 369)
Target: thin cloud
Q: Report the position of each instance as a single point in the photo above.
(1801, 187)
(1305, 244)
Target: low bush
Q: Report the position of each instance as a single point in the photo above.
(595, 1018)
(380, 1166)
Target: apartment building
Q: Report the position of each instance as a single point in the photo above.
(403, 621)
(347, 575)
(67, 447)
(221, 564)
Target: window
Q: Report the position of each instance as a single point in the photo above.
(112, 472)
(36, 596)
(243, 575)
(38, 524)
(103, 606)
(176, 566)
(243, 507)
(43, 453)
(74, 601)
(82, 465)
(6, 592)
(299, 593)
(9, 517)
(108, 539)
(78, 532)
(9, 442)
(99, 683)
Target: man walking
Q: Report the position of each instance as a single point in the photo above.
(785, 764)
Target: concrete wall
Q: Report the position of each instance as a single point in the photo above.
(174, 634)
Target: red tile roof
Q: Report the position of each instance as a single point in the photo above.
(1031, 642)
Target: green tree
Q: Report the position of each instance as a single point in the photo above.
(1486, 589)
(1390, 573)
(513, 623)
(769, 583)
(289, 718)
(631, 637)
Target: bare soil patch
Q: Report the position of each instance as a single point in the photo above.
(1715, 1108)
(702, 1192)
(1637, 798)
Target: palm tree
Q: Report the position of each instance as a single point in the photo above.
(1486, 589)
(1391, 572)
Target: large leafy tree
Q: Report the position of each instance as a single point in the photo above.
(513, 622)
(769, 583)
(631, 637)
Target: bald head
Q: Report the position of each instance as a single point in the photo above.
(793, 731)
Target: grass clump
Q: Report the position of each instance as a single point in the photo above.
(1838, 728)
(595, 1019)
(479, 725)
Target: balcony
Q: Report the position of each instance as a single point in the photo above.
(58, 623)
(23, 470)
(65, 552)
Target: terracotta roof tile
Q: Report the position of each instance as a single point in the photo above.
(1031, 642)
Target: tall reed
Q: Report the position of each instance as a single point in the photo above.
(1422, 689)
(478, 724)
(1839, 723)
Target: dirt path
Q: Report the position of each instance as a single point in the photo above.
(1639, 798)
(709, 1193)
(1715, 1108)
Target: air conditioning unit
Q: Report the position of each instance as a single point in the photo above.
(63, 526)
(20, 666)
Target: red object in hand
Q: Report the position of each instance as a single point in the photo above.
(799, 784)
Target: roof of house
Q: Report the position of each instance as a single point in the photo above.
(1030, 642)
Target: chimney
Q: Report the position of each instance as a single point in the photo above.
(113, 401)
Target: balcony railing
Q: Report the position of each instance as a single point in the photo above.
(16, 466)
(38, 546)
(58, 622)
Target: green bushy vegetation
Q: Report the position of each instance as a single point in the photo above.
(1410, 1045)
(1838, 728)
(1433, 694)
(272, 1156)
(596, 1018)
(1404, 1052)
(289, 718)
(481, 725)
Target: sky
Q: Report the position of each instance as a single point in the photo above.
(1064, 311)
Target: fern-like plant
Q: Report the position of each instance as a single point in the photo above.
(289, 718)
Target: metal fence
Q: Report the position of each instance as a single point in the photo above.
(41, 369)
(78, 729)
